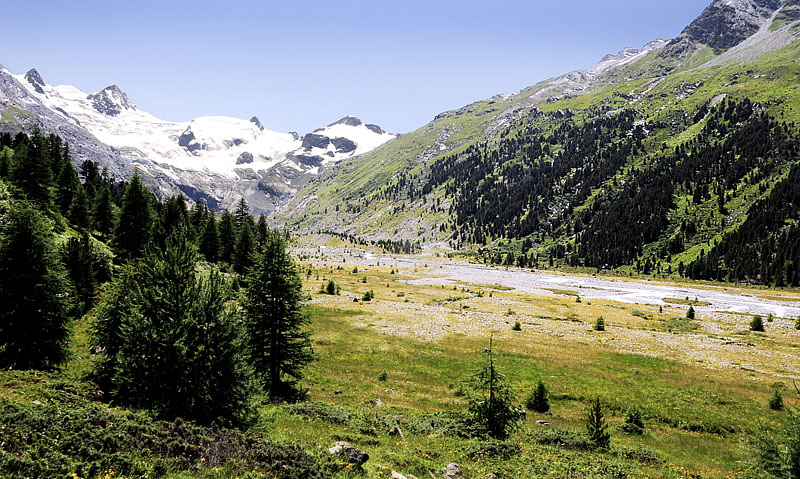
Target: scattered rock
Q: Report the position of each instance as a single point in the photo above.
(542, 422)
(244, 158)
(491, 475)
(354, 456)
(337, 392)
(37, 402)
(452, 471)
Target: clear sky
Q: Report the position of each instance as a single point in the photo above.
(299, 65)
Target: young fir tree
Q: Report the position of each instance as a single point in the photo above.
(227, 237)
(86, 269)
(538, 400)
(198, 218)
(279, 343)
(135, 223)
(596, 426)
(491, 399)
(66, 186)
(242, 215)
(178, 342)
(757, 324)
(33, 287)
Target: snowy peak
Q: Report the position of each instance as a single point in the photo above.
(626, 56)
(342, 139)
(110, 101)
(349, 120)
(35, 79)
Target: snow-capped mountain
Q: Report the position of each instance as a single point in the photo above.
(219, 159)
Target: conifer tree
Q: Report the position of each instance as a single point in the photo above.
(244, 248)
(135, 222)
(198, 217)
(538, 400)
(103, 212)
(179, 342)
(242, 215)
(33, 287)
(31, 170)
(209, 243)
(86, 268)
(66, 186)
(227, 237)
(279, 344)
(262, 231)
(491, 399)
(79, 210)
(6, 157)
(596, 426)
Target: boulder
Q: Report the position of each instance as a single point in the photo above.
(452, 471)
(354, 456)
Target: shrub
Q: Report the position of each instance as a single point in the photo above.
(368, 296)
(537, 400)
(493, 449)
(517, 326)
(776, 401)
(634, 422)
(331, 288)
(690, 313)
(642, 454)
(600, 324)
(797, 324)
(757, 324)
(596, 426)
(566, 438)
(383, 376)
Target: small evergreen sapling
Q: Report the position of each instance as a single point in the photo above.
(600, 324)
(690, 313)
(634, 422)
(776, 401)
(596, 426)
(538, 400)
(757, 324)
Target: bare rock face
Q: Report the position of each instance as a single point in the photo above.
(111, 101)
(35, 79)
(723, 25)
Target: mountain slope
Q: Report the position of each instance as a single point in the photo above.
(218, 159)
(537, 166)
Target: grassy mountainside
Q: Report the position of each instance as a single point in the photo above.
(536, 172)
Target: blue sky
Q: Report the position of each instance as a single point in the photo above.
(299, 65)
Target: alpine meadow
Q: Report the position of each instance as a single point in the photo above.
(597, 276)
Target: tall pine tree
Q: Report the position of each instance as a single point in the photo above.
(280, 345)
(33, 287)
(135, 222)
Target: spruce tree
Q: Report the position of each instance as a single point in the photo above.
(596, 426)
(33, 287)
(6, 157)
(244, 249)
(279, 343)
(31, 171)
(491, 399)
(242, 215)
(538, 400)
(179, 340)
(227, 237)
(135, 222)
(103, 211)
(66, 185)
(262, 231)
(209, 243)
(78, 213)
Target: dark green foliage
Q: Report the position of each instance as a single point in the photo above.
(596, 426)
(600, 324)
(31, 171)
(78, 213)
(490, 399)
(776, 401)
(245, 245)
(383, 376)
(242, 215)
(493, 449)
(368, 296)
(103, 212)
(331, 288)
(33, 287)
(6, 157)
(66, 186)
(538, 399)
(135, 224)
(175, 216)
(180, 343)
(797, 324)
(279, 342)
(757, 324)
(227, 237)
(517, 326)
(209, 242)
(73, 435)
(778, 459)
(262, 231)
(87, 268)
(634, 422)
(690, 313)
(106, 331)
